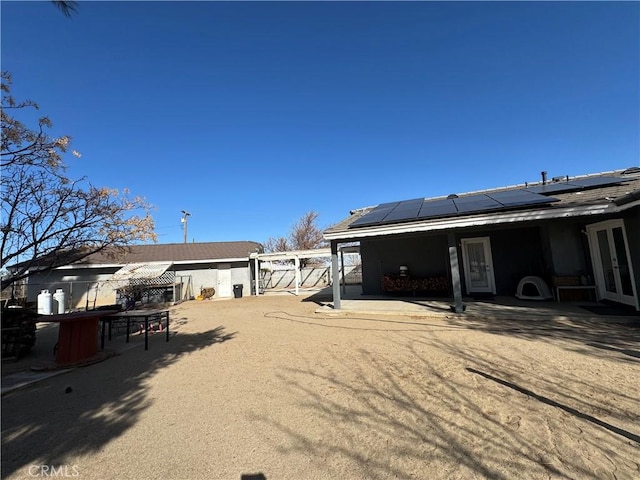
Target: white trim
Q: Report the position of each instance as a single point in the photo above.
(629, 205)
(292, 254)
(177, 262)
(90, 265)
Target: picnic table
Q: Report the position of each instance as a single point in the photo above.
(146, 316)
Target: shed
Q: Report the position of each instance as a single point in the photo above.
(172, 272)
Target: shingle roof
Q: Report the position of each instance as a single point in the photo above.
(176, 252)
(592, 196)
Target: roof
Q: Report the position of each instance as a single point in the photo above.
(589, 201)
(175, 253)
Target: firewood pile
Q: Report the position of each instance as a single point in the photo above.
(18, 331)
(396, 283)
(207, 292)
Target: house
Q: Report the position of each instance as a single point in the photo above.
(159, 273)
(570, 238)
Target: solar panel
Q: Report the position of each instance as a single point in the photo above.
(376, 215)
(405, 210)
(560, 187)
(437, 208)
(575, 185)
(520, 198)
(597, 181)
(476, 203)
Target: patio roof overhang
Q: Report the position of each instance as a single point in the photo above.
(292, 254)
(451, 223)
(141, 271)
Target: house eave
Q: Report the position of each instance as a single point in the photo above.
(475, 221)
(177, 262)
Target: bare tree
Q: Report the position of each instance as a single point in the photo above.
(47, 219)
(306, 235)
(66, 7)
(276, 244)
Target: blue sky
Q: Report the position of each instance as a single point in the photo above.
(250, 114)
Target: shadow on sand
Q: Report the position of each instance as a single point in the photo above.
(83, 410)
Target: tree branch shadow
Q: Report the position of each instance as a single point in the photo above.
(390, 413)
(631, 436)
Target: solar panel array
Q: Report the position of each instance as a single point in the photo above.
(419, 208)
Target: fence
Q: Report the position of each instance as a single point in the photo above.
(285, 279)
(87, 295)
(310, 277)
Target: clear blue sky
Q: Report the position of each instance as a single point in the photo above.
(250, 114)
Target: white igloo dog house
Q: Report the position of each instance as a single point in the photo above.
(533, 288)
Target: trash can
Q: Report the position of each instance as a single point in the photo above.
(237, 290)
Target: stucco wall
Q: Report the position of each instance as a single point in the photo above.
(79, 286)
(93, 284)
(206, 276)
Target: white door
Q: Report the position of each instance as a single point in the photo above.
(610, 257)
(224, 280)
(478, 265)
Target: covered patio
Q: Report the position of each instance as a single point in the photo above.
(498, 308)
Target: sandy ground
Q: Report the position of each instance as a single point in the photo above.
(257, 388)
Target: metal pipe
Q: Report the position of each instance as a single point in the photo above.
(185, 215)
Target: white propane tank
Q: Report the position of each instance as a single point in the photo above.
(44, 303)
(59, 301)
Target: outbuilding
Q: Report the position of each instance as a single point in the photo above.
(155, 273)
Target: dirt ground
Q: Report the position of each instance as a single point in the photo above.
(265, 388)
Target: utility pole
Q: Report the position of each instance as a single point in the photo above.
(185, 214)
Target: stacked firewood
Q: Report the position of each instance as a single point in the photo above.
(18, 331)
(396, 283)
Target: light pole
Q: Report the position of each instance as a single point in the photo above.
(185, 214)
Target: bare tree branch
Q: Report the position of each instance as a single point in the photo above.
(66, 7)
(47, 219)
(304, 235)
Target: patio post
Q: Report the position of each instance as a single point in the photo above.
(297, 272)
(455, 273)
(256, 278)
(335, 275)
